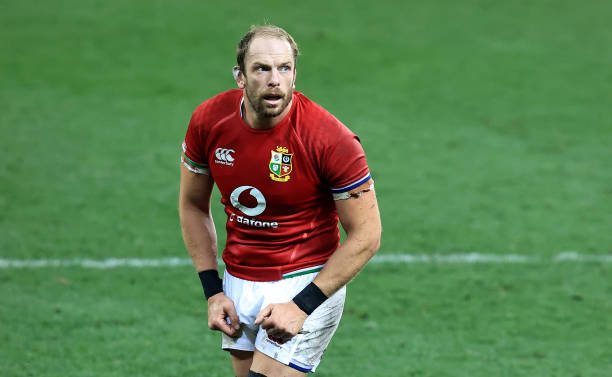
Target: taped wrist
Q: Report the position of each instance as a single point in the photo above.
(309, 298)
(211, 282)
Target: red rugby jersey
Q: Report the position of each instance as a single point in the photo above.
(277, 184)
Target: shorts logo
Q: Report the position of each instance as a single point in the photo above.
(281, 164)
(275, 341)
(249, 211)
(224, 156)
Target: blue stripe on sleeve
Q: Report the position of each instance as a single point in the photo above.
(352, 185)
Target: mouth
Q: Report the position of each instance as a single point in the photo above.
(272, 98)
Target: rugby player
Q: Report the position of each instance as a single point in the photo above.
(287, 171)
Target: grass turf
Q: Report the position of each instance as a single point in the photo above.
(405, 320)
(487, 128)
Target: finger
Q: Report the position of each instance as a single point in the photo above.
(263, 314)
(224, 327)
(233, 316)
(270, 324)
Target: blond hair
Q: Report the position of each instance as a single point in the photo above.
(271, 31)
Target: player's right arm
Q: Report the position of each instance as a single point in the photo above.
(201, 242)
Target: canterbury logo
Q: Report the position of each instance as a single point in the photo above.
(224, 156)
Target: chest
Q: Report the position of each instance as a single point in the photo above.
(276, 164)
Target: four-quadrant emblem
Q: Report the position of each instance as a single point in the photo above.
(280, 164)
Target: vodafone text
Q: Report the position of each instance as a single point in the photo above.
(252, 222)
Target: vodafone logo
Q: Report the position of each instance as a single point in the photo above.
(251, 221)
(224, 156)
(249, 211)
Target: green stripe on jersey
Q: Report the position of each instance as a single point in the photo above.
(194, 163)
(305, 271)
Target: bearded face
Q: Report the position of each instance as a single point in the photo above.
(267, 103)
(268, 80)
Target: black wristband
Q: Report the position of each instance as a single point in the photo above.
(211, 282)
(309, 298)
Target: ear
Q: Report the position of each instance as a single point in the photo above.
(238, 77)
(294, 77)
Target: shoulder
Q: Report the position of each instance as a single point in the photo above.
(217, 108)
(318, 124)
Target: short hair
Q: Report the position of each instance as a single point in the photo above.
(271, 31)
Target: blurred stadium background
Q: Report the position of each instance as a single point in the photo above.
(488, 129)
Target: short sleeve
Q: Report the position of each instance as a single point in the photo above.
(194, 154)
(345, 166)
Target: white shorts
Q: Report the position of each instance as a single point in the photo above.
(304, 351)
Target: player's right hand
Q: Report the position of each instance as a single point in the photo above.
(221, 308)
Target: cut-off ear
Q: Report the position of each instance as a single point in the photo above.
(238, 77)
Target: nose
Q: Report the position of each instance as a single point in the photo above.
(274, 78)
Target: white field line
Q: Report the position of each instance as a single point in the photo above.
(468, 258)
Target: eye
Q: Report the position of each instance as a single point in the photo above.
(285, 68)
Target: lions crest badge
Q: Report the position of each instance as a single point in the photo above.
(281, 164)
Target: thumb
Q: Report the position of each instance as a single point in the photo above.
(263, 314)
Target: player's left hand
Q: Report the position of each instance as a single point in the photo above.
(281, 321)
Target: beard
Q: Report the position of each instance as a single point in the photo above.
(261, 107)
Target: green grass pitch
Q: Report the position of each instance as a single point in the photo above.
(487, 126)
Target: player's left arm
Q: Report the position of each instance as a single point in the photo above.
(360, 218)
